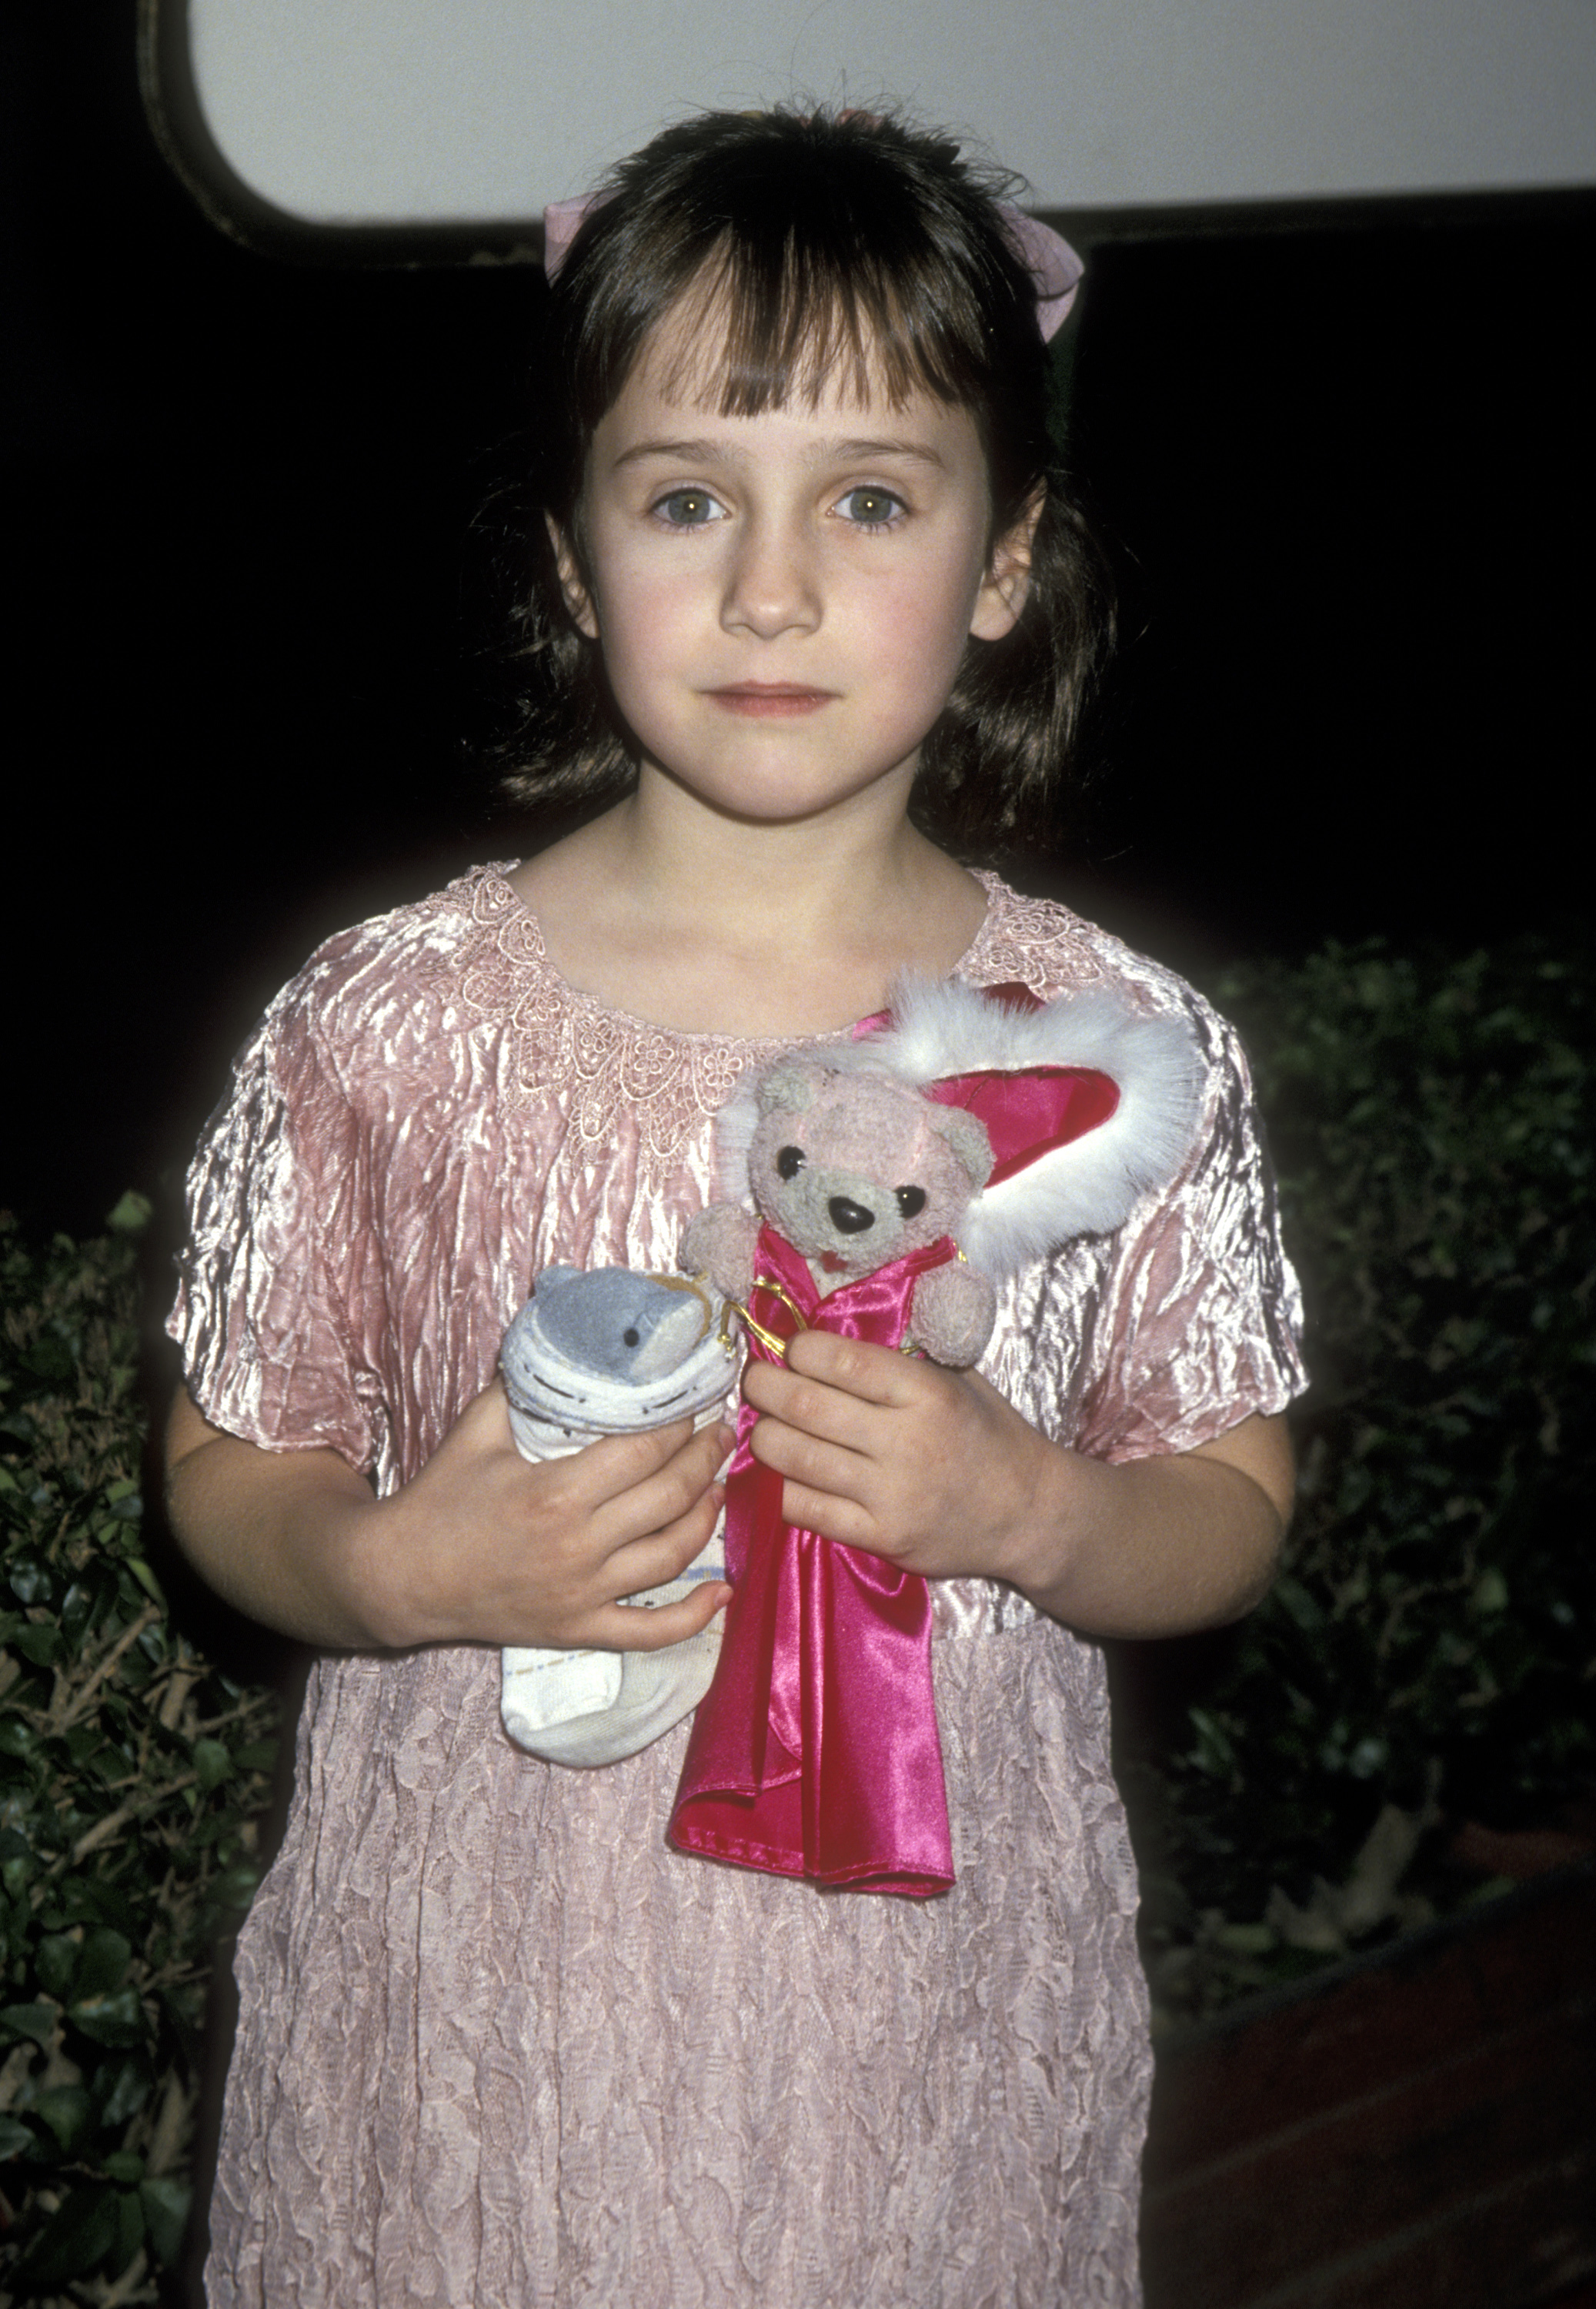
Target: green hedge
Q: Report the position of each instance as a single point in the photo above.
(1426, 1657)
(132, 1774)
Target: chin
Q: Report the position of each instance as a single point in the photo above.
(783, 793)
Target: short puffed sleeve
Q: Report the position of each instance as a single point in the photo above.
(272, 1274)
(1198, 1314)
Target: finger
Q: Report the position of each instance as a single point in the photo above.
(618, 1463)
(827, 1412)
(660, 1556)
(877, 1374)
(819, 1467)
(831, 1515)
(621, 1464)
(657, 1507)
(652, 1628)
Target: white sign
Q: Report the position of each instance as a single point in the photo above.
(386, 112)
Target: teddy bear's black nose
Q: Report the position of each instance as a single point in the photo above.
(849, 1218)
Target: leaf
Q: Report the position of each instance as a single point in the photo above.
(117, 2019)
(35, 2021)
(147, 1579)
(211, 1763)
(41, 1644)
(131, 1213)
(56, 1962)
(103, 1962)
(30, 1583)
(69, 2113)
(1303, 1607)
(1491, 1593)
(1214, 1753)
(76, 1607)
(83, 2229)
(130, 2230)
(51, 1358)
(86, 1900)
(166, 2204)
(236, 1886)
(15, 2139)
(125, 2086)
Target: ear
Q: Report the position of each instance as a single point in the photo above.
(1007, 581)
(966, 1134)
(791, 1085)
(578, 599)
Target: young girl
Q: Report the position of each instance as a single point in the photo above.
(808, 585)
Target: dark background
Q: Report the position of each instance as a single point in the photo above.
(1347, 473)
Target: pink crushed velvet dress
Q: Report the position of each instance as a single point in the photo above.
(498, 2044)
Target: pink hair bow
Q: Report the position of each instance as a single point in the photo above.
(562, 221)
(1053, 265)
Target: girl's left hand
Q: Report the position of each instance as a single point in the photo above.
(932, 1469)
(929, 1468)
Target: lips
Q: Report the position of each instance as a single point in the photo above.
(769, 700)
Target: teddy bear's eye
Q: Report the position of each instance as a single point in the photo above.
(790, 1161)
(912, 1200)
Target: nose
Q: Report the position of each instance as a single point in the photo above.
(849, 1217)
(771, 587)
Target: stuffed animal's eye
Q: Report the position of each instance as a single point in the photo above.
(790, 1161)
(912, 1200)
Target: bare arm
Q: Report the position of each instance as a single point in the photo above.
(481, 1547)
(1160, 1546)
(934, 1469)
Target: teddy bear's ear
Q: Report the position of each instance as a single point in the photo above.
(791, 1085)
(967, 1136)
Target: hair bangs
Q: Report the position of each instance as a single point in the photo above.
(765, 327)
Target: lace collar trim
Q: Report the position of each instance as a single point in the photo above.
(608, 1064)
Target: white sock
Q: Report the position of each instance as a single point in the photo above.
(596, 1707)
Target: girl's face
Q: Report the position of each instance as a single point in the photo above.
(784, 600)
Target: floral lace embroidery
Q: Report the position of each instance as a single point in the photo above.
(601, 1062)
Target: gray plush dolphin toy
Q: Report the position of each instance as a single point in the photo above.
(612, 1352)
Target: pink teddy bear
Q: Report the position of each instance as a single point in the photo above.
(856, 1170)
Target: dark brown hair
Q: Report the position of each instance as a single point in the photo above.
(832, 242)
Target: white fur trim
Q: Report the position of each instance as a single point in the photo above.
(1090, 1187)
(735, 1126)
(947, 1027)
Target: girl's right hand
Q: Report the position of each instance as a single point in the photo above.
(484, 1546)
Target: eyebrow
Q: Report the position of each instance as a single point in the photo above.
(706, 452)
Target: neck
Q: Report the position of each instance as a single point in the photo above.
(694, 919)
(811, 880)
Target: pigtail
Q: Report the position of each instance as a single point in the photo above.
(993, 769)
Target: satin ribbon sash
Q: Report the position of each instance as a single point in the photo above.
(814, 1752)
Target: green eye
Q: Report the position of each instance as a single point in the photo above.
(687, 508)
(871, 508)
